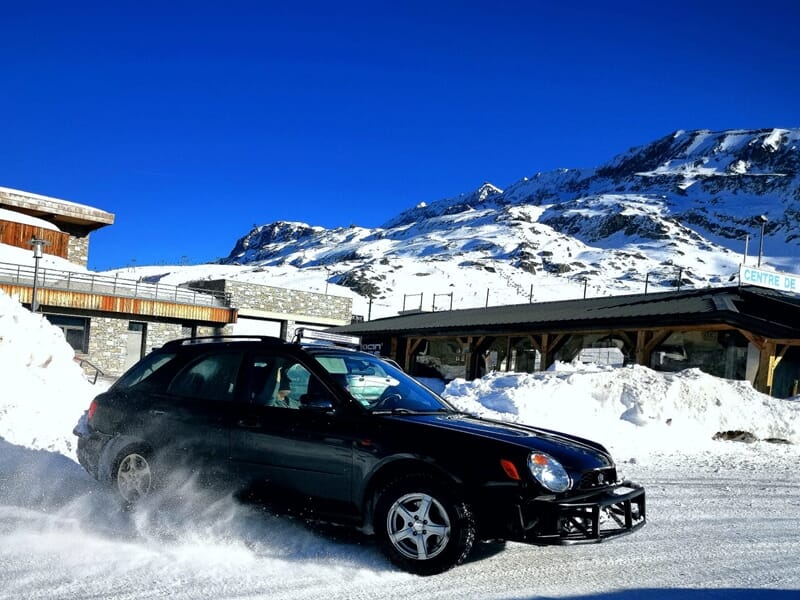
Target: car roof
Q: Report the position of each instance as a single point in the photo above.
(203, 343)
(223, 340)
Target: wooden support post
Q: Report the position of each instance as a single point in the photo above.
(642, 357)
(411, 348)
(766, 367)
(646, 342)
(549, 346)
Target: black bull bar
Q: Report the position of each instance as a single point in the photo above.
(587, 519)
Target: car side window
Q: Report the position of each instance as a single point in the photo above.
(279, 381)
(213, 377)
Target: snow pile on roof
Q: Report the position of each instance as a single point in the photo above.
(18, 217)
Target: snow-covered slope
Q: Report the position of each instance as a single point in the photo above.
(677, 212)
(674, 212)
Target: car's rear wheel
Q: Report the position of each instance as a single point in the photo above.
(423, 527)
(133, 474)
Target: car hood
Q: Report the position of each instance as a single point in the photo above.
(572, 451)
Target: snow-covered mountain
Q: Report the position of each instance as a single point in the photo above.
(675, 212)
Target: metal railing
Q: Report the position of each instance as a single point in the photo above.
(88, 367)
(93, 283)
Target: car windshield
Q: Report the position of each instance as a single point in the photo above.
(379, 385)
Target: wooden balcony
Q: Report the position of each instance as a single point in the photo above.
(98, 295)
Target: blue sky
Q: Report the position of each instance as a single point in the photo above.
(193, 121)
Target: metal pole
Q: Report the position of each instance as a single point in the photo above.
(585, 283)
(37, 254)
(487, 298)
(34, 303)
(646, 281)
(746, 246)
(763, 220)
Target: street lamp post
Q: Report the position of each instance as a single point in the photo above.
(763, 219)
(37, 254)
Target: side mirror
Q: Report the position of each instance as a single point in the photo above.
(316, 403)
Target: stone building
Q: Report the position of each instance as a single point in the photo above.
(111, 322)
(65, 226)
(278, 312)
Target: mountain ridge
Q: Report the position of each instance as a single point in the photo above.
(675, 212)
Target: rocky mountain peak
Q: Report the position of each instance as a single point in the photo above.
(676, 211)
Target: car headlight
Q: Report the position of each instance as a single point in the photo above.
(549, 472)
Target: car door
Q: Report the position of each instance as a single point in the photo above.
(189, 422)
(285, 436)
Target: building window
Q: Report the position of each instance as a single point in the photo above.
(76, 331)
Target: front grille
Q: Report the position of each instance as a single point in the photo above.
(597, 478)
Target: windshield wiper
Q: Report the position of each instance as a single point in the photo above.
(394, 411)
(410, 411)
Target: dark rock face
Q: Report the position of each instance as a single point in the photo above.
(255, 245)
(359, 282)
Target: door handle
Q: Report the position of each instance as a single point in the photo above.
(157, 412)
(249, 423)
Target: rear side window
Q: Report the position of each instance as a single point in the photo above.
(143, 370)
(212, 377)
(278, 381)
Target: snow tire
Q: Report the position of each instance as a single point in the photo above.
(422, 526)
(132, 474)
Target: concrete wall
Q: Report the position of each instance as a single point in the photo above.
(78, 250)
(108, 341)
(159, 334)
(303, 306)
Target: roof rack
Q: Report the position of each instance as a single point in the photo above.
(210, 339)
(303, 334)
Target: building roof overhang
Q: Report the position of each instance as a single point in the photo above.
(55, 210)
(760, 311)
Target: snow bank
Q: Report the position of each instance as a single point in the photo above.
(43, 390)
(633, 410)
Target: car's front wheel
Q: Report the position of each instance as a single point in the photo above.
(423, 527)
(133, 474)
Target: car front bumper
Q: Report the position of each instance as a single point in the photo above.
(588, 518)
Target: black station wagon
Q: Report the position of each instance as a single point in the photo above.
(359, 441)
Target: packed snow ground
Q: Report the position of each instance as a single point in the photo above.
(723, 516)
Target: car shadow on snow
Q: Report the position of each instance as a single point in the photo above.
(683, 594)
(40, 479)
